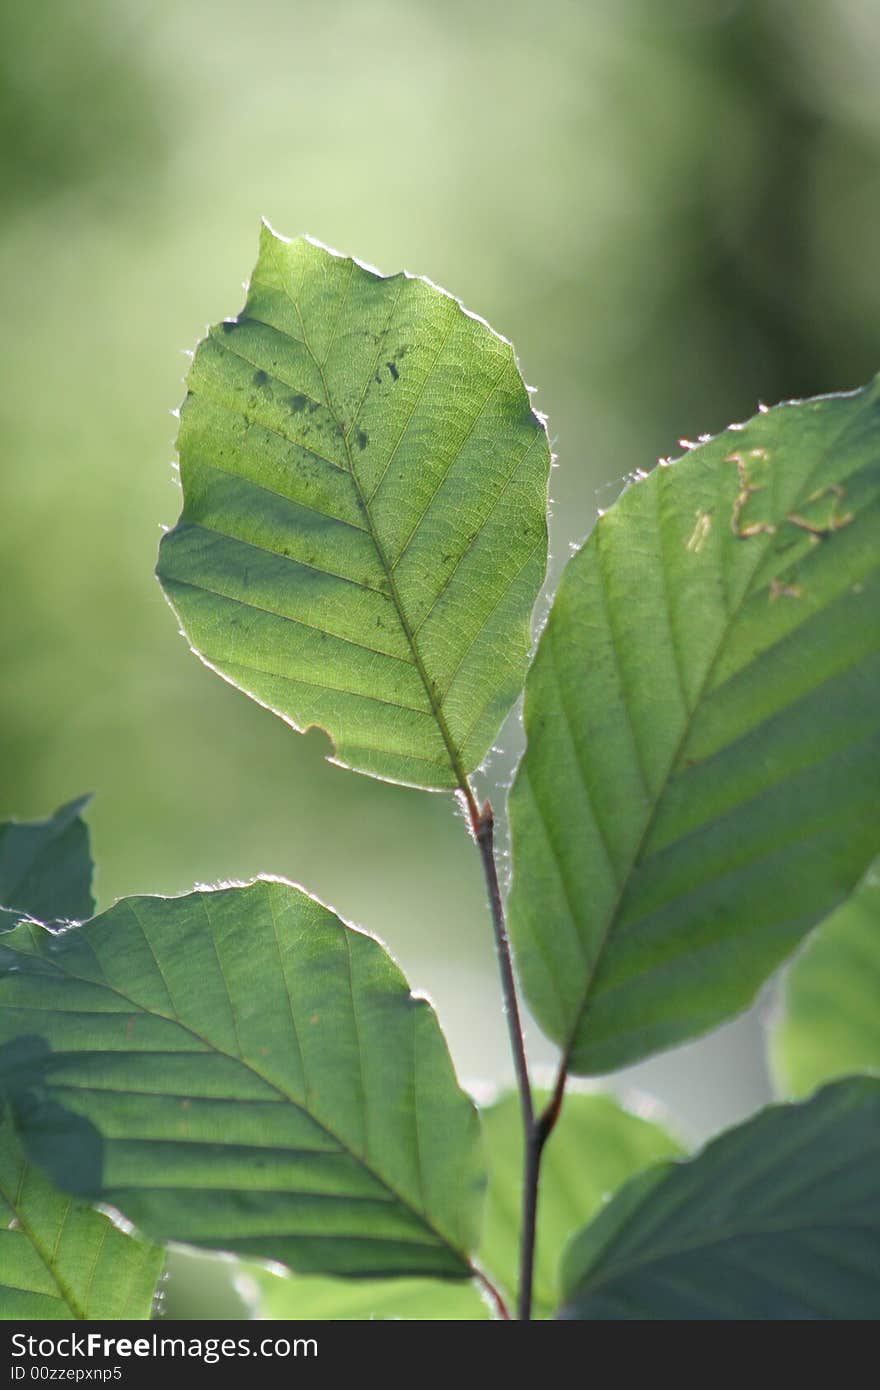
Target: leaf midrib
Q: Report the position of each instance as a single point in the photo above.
(691, 714)
(280, 1091)
(436, 709)
(45, 1256)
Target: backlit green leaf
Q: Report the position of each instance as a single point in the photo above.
(829, 1022)
(58, 1257)
(240, 1070)
(596, 1146)
(702, 775)
(46, 866)
(411, 1300)
(363, 531)
(779, 1218)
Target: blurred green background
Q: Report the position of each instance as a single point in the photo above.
(670, 206)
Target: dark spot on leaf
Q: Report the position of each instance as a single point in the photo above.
(392, 367)
(298, 403)
(260, 377)
(362, 438)
(229, 325)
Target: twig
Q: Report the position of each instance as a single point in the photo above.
(483, 826)
(484, 832)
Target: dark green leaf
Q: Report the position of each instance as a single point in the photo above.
(363, 532)
(240, 1070)
(703, 767)
(829, 1023)
(58, 1257)
(46, 866)
(779, 1218)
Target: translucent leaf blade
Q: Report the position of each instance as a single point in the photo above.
(702, 774)
(276, 1296)
(59, 1258)
(829, 1019)
(363, 533)
(240, 1070)
(596, 1146)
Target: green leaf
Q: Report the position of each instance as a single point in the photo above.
(46, 866)
(277, 1296)
(61, 1259)
(58, 1257)
(363, 531)
(829, 1023)
(240, 1070)
(703, 766)
(777, 1218)
(596, 1146)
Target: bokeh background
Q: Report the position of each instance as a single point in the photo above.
(670, 206)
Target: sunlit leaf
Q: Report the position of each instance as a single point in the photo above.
(240, 1070)
(363, 531)
(829, 1021)
(59, 1258)
(703, 767)
(596, 1146)
(419, 1300)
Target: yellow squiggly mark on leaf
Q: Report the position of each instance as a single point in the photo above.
(746, 490)
(835, 521)
(700, 532)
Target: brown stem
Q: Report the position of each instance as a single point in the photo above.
(495, 1295)
(536, 1138)
(485, 836)
(483, 827)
